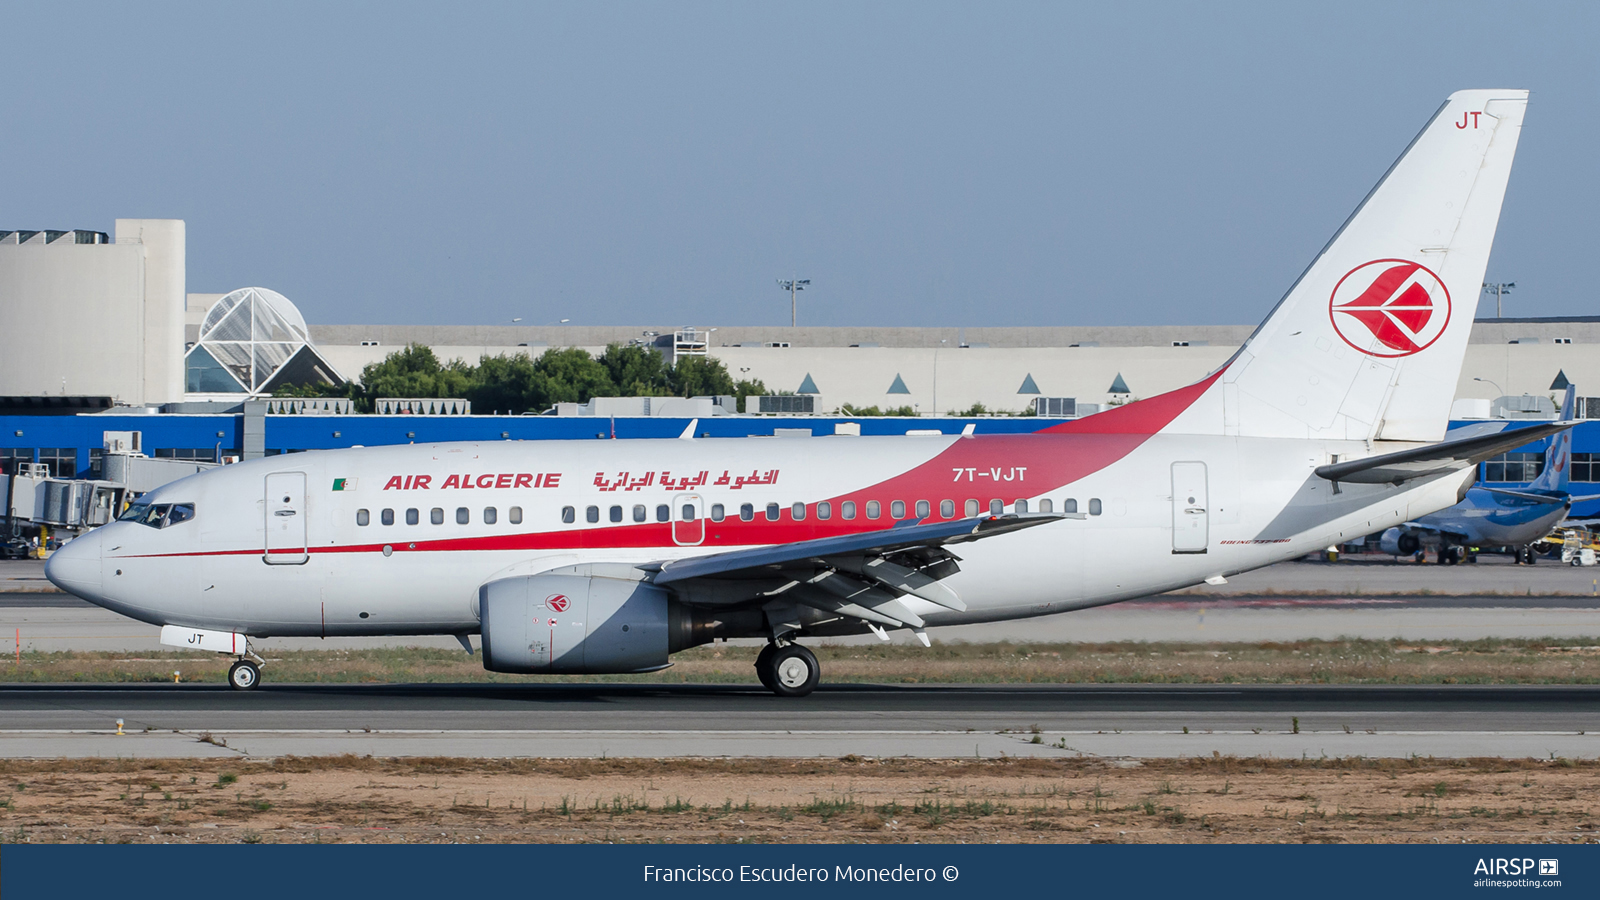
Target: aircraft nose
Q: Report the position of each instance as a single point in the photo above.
(75, 568)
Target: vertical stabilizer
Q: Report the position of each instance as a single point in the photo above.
(1557, 472)
(1368, 343)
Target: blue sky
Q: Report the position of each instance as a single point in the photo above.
(664, 163)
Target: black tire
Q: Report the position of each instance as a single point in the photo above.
(764, 666)
(794, 671)
(1533, 556)
(244, 675)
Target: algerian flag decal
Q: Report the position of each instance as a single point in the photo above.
(344, 484)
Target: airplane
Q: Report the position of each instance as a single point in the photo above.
(1498, 517)
(610, 556)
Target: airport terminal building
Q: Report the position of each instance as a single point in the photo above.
(105, 347)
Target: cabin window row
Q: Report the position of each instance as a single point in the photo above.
(823, 510)
(463, 516)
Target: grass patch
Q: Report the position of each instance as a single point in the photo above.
(1489, 661)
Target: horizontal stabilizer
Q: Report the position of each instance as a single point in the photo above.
(1434, 459)
(1528, 495)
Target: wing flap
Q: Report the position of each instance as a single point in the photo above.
(878, 543)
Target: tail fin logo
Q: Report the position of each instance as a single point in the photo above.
(1390, 308)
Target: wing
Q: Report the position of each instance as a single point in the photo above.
(1434, 459)
(858, 576)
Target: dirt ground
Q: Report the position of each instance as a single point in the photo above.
(1498, 661)
(1227, 800)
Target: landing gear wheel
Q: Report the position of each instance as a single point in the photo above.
(791, 671)
(764, 666)
(244, 675)
(1533, 557)
(1450, 556)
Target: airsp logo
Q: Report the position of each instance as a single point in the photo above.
(1390, 308)
(556, 602)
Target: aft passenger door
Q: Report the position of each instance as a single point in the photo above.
(286, 519)
(688, 520)
(1190, 508)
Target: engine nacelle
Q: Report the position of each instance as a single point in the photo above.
(1397, 542)
(575, 621)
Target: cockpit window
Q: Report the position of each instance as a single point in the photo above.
(158, 515)
(134, 513)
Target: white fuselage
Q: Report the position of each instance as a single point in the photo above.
(1255, 501)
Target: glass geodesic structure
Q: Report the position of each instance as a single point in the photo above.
(251, 342)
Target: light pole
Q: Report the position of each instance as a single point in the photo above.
(794, 286)
(1500, 290)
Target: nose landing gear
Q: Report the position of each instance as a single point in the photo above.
(244, 675)
(788, 670)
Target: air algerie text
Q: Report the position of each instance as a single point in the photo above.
(497, 480)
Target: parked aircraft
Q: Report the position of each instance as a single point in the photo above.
(1498, 517)
(609, 556)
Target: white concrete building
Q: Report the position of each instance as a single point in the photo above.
(87, 315)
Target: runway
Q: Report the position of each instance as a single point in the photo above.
(570, 720)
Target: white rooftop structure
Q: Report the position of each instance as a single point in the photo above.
(252, 341)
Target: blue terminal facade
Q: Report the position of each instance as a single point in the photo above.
(71, 444)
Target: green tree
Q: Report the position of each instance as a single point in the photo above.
(503, 383)
(568, 375)
(637, 371)
(701, 376)
(415, 372)
(747, 387)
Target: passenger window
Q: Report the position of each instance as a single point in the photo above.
(972, 508)
(873, 509)
(490, 515)
(363, 517)
(997, 508)
(688, 512)
(772, 512)
(747, 512)
(568, 515)
(663, 513)
(1044, 506)
(436, 516)
(183, 512)
(640, 514)
(717, 513)
(616, 514)
(1094, 506)
(411, 516)
(897, 510)
(463, 516)
(947, 509)
(592, 514)
(922, 509)
(387, 517)
(847, 509)
(798, 511)
(516, 515)
(1021, 506)
(824, 510)
(1069, 505)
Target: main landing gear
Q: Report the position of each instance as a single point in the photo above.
(788, 670)
(244, 675)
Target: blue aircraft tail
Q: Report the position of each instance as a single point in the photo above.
(1558, 456)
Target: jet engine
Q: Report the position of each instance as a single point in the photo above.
(1396, 542)
(580, 621)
